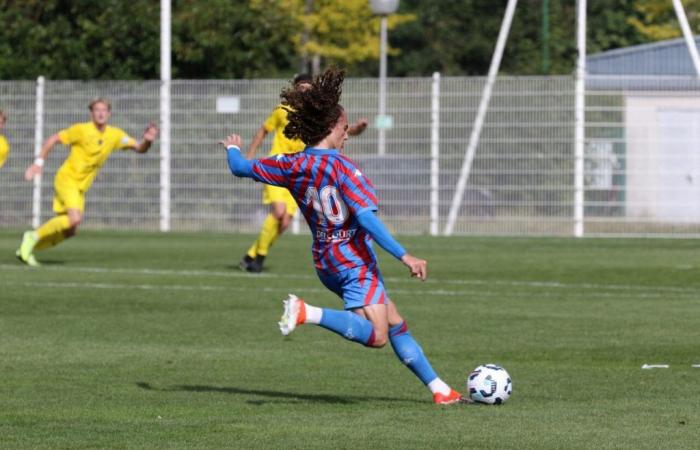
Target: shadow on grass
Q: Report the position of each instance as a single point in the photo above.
(237, 268)
(16, 261)
(279, 395)
(52, 262)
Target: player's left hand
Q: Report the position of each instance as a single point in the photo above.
(417, 266)
(233, 139)
(151, 132)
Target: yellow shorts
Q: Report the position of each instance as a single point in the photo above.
(67, 196)
(275, 194)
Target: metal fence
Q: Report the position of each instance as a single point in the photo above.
(642, 165)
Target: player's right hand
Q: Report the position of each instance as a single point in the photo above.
(417, 266)
(230, 140)
(31, 172)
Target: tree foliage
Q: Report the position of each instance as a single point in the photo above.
(79, 39)
(231, 39)
(345, 33)
(118, 39)
(656, 19)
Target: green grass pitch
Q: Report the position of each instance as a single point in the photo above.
(136, 340)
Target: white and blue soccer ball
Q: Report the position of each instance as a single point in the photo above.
(489, 384)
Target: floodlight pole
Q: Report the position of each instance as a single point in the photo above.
(688, 35)
(580, 120)
(382, 8)
(165, 77)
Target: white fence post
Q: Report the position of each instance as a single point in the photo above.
(580, 121)
(296, 223)
(435, 156)
(38, 138)
(165, 155)
(165, 115)
(480, 116)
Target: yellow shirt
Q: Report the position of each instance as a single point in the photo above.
(281, 143)
(89, 149)
(4, 150)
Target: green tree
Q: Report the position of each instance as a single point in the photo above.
(78, 39)
(656, 19)
(232, 39)
(117, 39)
(458, 37)
(344, 33)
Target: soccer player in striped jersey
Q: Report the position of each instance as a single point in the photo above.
(339, 204)
(4, 146)
(282, 204)
(91, 143)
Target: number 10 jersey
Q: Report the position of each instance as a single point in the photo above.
(331, 192)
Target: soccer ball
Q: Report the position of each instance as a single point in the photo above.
(489, 384)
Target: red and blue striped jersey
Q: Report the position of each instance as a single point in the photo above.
(330, 191)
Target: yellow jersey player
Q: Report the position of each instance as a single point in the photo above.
(4, 146)
(282, 204)
(90, 143)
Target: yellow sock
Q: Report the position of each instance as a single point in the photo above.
(52, 232)
(268, 234)
(253, 250)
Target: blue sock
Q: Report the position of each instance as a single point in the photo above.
(410, 353)
(349, 325)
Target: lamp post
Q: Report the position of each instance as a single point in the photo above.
(383, 8)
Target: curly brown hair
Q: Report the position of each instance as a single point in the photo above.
(313, 113)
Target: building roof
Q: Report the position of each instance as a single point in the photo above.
(669, 57)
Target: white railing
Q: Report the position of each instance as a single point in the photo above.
(641, 174)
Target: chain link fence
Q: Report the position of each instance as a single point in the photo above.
(642, 164)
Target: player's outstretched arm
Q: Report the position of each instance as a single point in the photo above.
(358, 127)
(37, 166)
(256, 142)
(376, 228)
(149, 135)
(239, 166)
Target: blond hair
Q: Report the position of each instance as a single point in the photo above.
(102, 100)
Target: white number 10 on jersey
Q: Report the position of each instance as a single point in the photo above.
(328, 205)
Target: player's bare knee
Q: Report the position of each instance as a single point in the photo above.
(284, 224)
(279, 211)
(379, 341)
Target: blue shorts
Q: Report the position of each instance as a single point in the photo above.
(358, 287)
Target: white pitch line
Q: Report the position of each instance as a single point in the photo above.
(146, 287)
(655, 366)
(476, 294)
(181, 287)
(467, 282)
